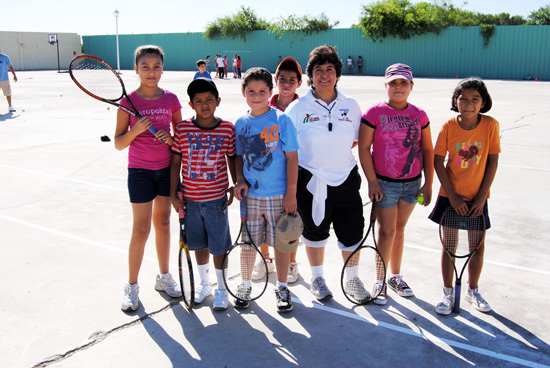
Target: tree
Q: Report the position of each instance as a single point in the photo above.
(236, 26)
(305, 25)
(540, 17)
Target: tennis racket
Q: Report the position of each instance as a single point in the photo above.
(184, 263)
(99, 80)
(363, 268)
(461, 236)
(239, 263)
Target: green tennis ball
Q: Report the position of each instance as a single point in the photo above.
(420, 199)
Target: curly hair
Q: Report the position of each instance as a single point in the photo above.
(322, 55)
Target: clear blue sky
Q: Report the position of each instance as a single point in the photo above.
(164, 16)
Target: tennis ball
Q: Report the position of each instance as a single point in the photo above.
(420, 199)
(22, 110)
(108, 108)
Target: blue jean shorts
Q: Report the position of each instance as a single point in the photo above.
(394, 191)
(207, 225)
(145, 185)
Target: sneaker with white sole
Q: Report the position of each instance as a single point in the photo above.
(354, 287)
(220, 301)
(166, 283)
(474, 297)
(445, 306)
(380, 288)
(399, 285)
(243, 294)
(319, 289)
(202, 291)
(284, 301)
(259, 270)
(292, 273)
(11, 109)
(130, 300)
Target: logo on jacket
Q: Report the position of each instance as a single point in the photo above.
(310, 118)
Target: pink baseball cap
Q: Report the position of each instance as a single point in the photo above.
(398, 71)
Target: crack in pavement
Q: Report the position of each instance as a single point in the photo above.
(99, 336)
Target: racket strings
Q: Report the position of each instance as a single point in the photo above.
(461, 235)
(186, 276)
(97, 78)
(361, 272)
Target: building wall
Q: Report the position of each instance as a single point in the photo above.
(32, 51)
(512, 53)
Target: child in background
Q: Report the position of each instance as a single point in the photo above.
(202, 73)
(239, 66)
(208, 62)
(148, 169)
(401, 141)
(204, 147)
(288, 78)
(267, 171)
(465, 179)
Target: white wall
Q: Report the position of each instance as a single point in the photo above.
(32, 51)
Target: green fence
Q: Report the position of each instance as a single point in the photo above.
(512, 53)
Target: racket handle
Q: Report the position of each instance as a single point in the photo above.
(154, 130)
(456, 307)
(180, 210)
(243, 206)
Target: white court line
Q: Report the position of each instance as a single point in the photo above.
(423, 335)
(543, 272)
(35, 173)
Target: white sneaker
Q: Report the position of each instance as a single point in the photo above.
(474, 297)
(130, 300)
(167, 284)
(292, 273)
(259, 270)
(381, 290)
(11, 109)
(445, 306)
(220, 301)
(202, 292)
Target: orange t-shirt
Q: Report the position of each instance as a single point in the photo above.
(468, 152)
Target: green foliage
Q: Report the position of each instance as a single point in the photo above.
(236, 26)
(304, 25)
(487, 31)
(540, 17)
(401, 18)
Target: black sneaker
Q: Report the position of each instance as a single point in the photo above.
(243, 295)
(284, 302)
(399, 285)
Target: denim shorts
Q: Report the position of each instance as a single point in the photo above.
(207, 225)
(145, 185)
(393, 191)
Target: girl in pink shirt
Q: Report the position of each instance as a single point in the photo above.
(149, 159)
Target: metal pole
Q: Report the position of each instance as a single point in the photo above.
(58, 67)
(117, 53)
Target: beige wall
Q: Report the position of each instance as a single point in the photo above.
(32, 51)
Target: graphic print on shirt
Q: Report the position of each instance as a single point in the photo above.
(402, 124)
(257, 148)
(204, 153)
(468, 154)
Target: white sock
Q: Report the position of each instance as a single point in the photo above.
(204, 273)
(219, 277)
(281, 284)
(316, 272)
(396, 275)
(352, 272)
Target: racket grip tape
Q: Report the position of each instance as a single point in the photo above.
(243, 206)
(456, 307)
(180, 210)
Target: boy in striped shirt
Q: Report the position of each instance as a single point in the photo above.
(203, 149)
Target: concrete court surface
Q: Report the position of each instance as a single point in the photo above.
(65, 223)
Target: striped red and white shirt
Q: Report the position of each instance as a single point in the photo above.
(203, 154)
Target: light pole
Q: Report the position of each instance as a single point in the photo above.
(117, 53)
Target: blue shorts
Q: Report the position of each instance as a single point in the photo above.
(207, 225)
(145, 185)
(393, 191)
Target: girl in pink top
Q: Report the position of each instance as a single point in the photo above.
(149, 160)
(399, 135)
